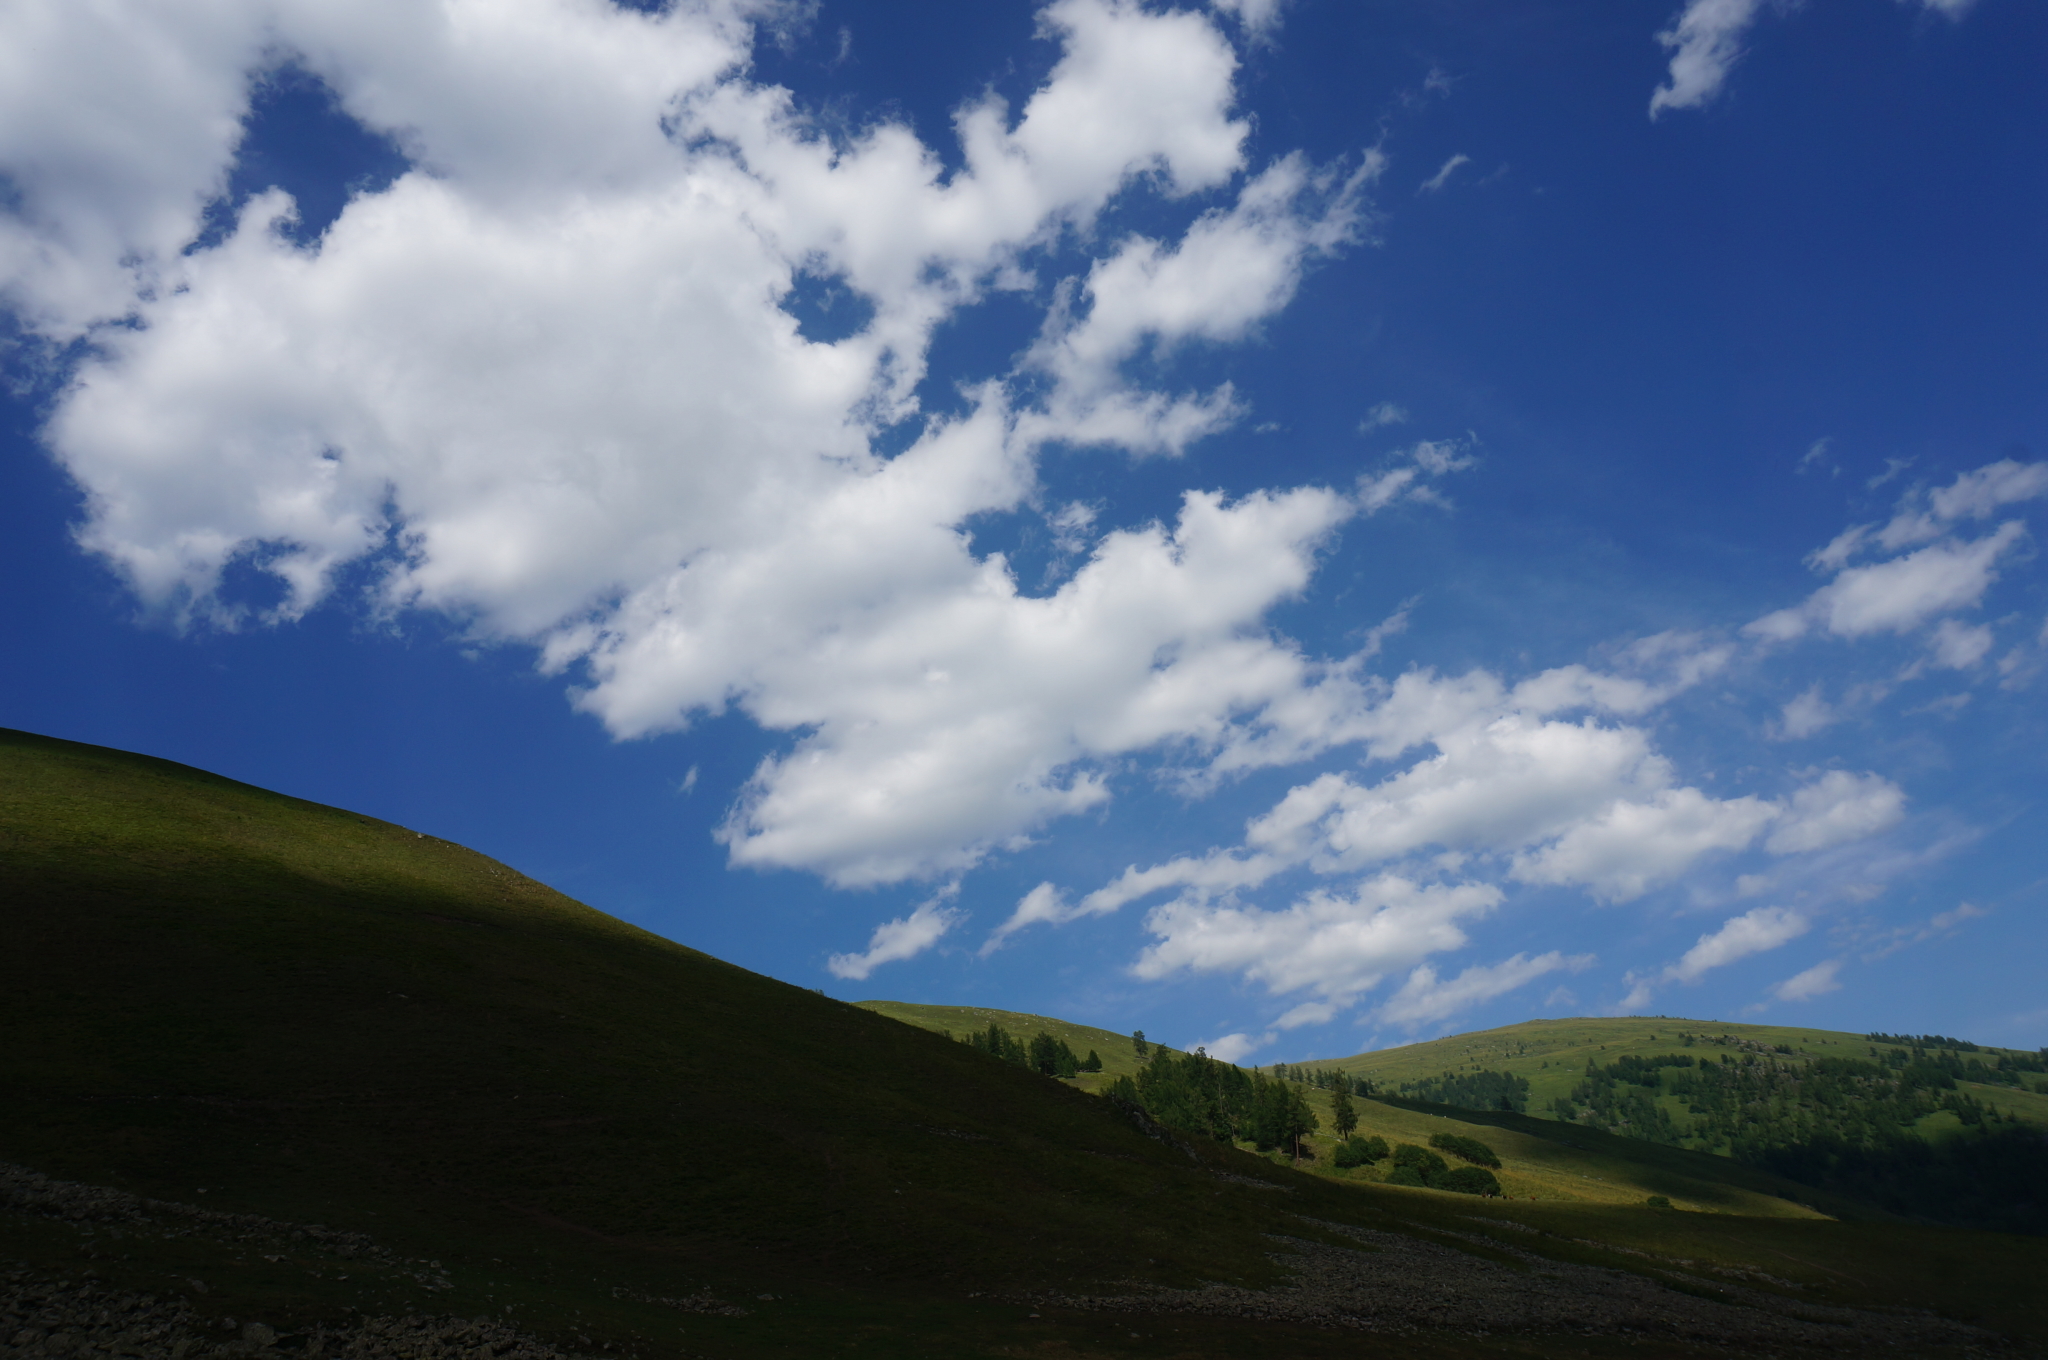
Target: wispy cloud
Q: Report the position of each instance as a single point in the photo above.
(903, 938)
(1705, 42)
(1754, 932)
(1805, 715)
(1815, 981)
(1934, 927)
(1436, 182)
(1424, 998)
(1385, 413)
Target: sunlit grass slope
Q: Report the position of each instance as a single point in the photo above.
(1543, 1160)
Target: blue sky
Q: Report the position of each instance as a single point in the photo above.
(1293, 526)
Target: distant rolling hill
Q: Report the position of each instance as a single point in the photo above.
(1542, 1162)
(1928, 1126)
(1552, 1056)
(270, 1060)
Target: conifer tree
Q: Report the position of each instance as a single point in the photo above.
(1301, 1120)
(1342, 1116)
(1138, 1041)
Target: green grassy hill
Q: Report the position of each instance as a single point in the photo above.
(354, 1070)
(1543, 1162)
(1552, 1056)
(1930, 1127)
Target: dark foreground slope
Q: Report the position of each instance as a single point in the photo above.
(230, 1015)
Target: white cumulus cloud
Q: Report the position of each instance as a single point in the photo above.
(1335, 944)
(1910, 590)
(1233, 1048)
(1499, 784)
(1262, 17)
(1628, 846)
(1837, 808)
(545, 384)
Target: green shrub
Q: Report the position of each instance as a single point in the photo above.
(1469, 1180)
(1471, 1149)
(1658, 1202)
(1356, 1151)
(1419, 1166)
(1430, 1167)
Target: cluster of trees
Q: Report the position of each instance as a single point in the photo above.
(1195, 1093)
(1472, 1090)
(1419, 1166)
(1747, 1105)
(1842, 1124)
(1323, 1078)
(1043, 1053)
(1993, 1178)
(1923, 1041)
(2005, 1069)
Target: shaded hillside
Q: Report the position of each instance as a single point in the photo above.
(283, 1062)
(206, 984)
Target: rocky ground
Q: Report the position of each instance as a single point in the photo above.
(1385, 1283)
(87, 1320)
(1400, 1284)
(82, 1317)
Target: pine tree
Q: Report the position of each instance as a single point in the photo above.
(1138, 1041)
(1067, 1065)
(1301, 1120)
(1342, 1116)
(1045, 1054)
